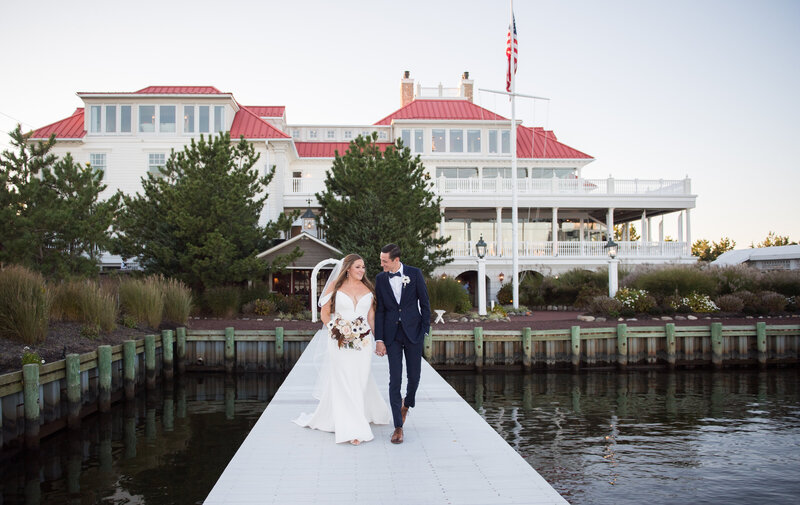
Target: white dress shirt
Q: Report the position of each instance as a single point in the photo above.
(396, 283)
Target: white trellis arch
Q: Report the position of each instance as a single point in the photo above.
(314, 273)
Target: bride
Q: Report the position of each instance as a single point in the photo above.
(348, 396)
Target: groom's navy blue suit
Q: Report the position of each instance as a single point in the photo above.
(402, 327)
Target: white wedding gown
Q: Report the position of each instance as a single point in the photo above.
(349, 398)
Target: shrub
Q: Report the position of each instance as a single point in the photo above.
(773, 302)
(671, 280)
(699, 302)
(499, 310)
(786, 283)
(258, 291)
(791, 304)
(177, 300)
(30, 357)
(730, 303)
(24, 305)
(449, 295)
(655, 310)
(504, 295)
(143, 299)
(751, 302)
(90, 331)
(223, 301)
(87, 302)
(734, 278)
(128, 321)
(606, 306)
(637, 300)
(264, 307)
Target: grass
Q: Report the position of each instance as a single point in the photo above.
(87, 302)
(177, 301)
(143, 299)
(24, 305)
(448, 295)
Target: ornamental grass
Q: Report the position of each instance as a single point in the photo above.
(85, 301)
(24, 305)
(177, 300)
(143, 299)
(448, 294)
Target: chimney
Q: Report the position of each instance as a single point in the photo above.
(407, 89)
(466, 86)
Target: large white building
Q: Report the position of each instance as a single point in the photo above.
(564, 213)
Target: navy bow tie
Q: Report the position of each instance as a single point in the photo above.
(396, 274)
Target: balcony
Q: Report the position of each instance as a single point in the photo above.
(585, 250)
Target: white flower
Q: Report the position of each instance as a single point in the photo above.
(345, 330)
(330, 324)
(42, 362)
(406, 280)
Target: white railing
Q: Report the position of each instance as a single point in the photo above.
(305, 186)
(574, 249)
(475, 185)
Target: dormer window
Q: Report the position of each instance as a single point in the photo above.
(188, 119)
(166, 118)
(348, 134)
(331, 134)
(203, 116)
(312, 134)
(219, 118)
(147, 118)
(95, 118)
(111, 118)
(296, 133)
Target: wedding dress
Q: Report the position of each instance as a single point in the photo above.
(349, 399)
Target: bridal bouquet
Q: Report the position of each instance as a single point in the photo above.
(350, 334)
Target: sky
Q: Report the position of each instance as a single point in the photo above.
(651, 89)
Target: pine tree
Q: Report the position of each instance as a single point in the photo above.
(197, 220)
(374, 197)
(52, 217)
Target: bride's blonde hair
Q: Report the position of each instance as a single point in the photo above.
(348, 262)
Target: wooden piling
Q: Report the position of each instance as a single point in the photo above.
(279, 355)
(230, 350)
(669, 329)
(716, 344)
(622, 345)
(129, 368)
(427, 346)
(181, 349)
(575, 341)
(30, 394)
(167, 353)
(761, 342)
(73, 372)
(104, 377)
(150, 360)
(527, 348)
(478, 333)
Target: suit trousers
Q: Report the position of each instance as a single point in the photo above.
(402, 346)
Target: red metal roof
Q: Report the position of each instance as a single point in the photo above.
(327, 149)
(248, 124)
(544, 144)
(267, 110)
(179, 90)
(69, 128)
(442, 110)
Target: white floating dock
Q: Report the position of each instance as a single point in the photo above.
(450, 455)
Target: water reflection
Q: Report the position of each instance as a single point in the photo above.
(650, 436)
(169, 445)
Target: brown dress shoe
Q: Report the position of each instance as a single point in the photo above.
(403, 413)
(397, 436)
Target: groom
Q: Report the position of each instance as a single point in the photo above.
(402, 319)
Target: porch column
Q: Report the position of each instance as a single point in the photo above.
(441, 224)
(649, 227)
(610, 223)
(644, 227)
(680, 226)
(661, 235)
(580, 234)
(626, 232)
(688, 230)
(498, 232)
(555, 231)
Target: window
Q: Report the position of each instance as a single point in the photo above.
(505, 139)
(155, 161)
(492, 141)
(296, 133)
(166, 118)
(504, 172)
(405, 136)
(331, 134)
(98, 160)
(297, 175)
(188, 119)
(95, 119)
(312, 134)
(382, 135)
(474, 141)
(456, 141)
(457, 172)
(549, 173)
(437, 141)
(417, 141)
(219, 118)
(111, 118)
(203, 114)
(147, 118)
(365, 134)
(348, 134)
(125, 118)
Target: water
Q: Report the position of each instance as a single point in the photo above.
(693, 436)
(651, 437)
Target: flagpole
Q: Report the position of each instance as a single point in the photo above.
(514, 189)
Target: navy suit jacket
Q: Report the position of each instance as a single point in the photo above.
(413, 311)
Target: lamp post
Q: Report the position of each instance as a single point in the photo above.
(309, 219)
(613, 281)
(480, 248)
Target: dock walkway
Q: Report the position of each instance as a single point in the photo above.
(450, 455)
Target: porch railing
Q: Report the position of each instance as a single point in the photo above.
(573, 249)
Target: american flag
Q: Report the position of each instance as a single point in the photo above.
(511, 46)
